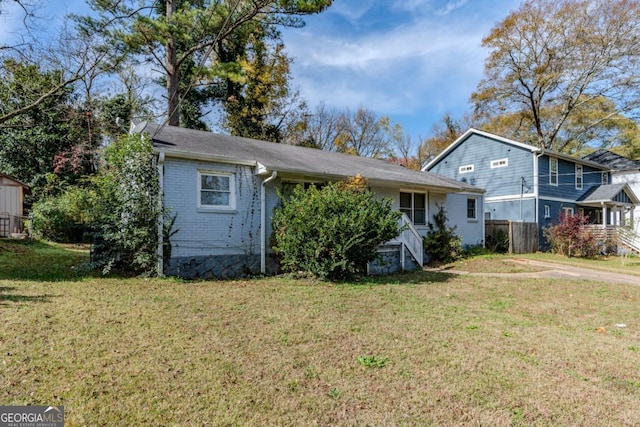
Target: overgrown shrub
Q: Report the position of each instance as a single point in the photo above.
(65, 217)
(570, 237)
(442, 244)
(128, 208)
(498, 241)
(332, 232)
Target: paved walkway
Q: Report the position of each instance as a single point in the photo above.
(560, 271)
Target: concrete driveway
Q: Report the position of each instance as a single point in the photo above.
(561, 271)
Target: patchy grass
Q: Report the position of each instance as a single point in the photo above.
(414, 349)
(615, 264)
(494, 263)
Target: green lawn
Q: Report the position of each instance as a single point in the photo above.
(415, 349)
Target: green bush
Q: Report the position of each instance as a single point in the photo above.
(65, 217)
(442, 244)
(498, 241)
(127, 208)
(332, 232)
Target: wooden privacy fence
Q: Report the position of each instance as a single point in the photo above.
(522, 236)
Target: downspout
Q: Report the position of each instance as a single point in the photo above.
(536, 184)
(160, 252)
(263, 223)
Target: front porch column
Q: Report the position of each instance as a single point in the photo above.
(604, 216)
(614, 212)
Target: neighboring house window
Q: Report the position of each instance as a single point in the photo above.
(605, 178)
(578, 177)
(547, 211)
(472, 211)
(500, 163)
(414, 206)
(553, 171)
(567, 211)
(465, 169)
(217, 190)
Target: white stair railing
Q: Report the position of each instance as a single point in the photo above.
(629, 238)
(412, 240)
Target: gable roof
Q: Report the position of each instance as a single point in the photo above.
(283, 158)
(9, 180)
(613, 160)
(608, 193)
(528, 147)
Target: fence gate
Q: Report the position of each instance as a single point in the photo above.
(523, 236)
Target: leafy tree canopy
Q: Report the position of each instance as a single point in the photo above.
(562, 74)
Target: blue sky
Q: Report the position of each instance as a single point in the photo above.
(411, 60)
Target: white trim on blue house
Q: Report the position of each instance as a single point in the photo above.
(509, 197)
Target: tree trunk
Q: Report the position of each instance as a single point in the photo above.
(173, 79)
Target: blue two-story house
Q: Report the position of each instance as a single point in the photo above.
(531, 184)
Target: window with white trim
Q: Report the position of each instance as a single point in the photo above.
(553, 171)
(465, 169)
(547, 211)
(472, 209)
(499, 163)
(578, 177)
(414, 205)
(216, 190)
(567, 211)
(605, 178)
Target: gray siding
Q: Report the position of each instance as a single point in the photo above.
(201, 232)
(510, 210)
(479, 151)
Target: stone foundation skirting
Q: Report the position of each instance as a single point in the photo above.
(219, 266)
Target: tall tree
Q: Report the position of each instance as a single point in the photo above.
(175, 35)
(365, 134)
(553, 63)
(262, 104)
(30, 141)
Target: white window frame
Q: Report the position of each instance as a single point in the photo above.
(567, 210)
(499, 163)
(553, 174)
(547, 211)
(605, 178)
(412, 216)
(579, 176)
(466, 168)
(475, 209)
(232, 191)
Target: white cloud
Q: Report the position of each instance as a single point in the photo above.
(450, 7)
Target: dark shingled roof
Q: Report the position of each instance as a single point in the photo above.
(602, 193)
(189, 143)
(612, 160)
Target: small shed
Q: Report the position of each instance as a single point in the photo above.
(12, 194)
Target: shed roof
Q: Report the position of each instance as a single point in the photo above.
(9, 180)
(269, 157)
(613, 160)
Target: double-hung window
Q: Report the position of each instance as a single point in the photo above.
(578, 177)
(216, 190)
(553, 171)
(605, 178)
(472, 209)
(414, 205)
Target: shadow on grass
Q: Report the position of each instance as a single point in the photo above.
(40, 261)
(8, 297)
(418, 277)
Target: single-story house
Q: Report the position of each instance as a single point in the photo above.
(532, 184)
(12, 205)
(222, 190)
